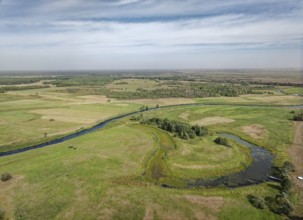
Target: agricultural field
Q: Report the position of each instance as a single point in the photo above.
(130, 169)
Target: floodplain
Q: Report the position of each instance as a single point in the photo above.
(133, 170)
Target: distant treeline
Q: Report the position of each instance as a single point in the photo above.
(21, 80)
(193, 91)
(260, 82)
(17, 88)
(83, 81)
(180, 129)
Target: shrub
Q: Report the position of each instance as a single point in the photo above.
(285, 184)
(256, 201)
(288, 166)
(6, 176)
(222, 141)
(2, 213)
(298, 117)
(279, 204)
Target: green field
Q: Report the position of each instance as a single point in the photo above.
(273, 134)
(27, 118)
(99, 179)
(117, 172)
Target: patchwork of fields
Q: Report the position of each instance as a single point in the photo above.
(117, 172)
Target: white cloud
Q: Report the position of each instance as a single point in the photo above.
(57, 36)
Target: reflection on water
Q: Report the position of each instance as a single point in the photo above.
(257, 172)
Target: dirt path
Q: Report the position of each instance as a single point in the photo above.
(296, 153)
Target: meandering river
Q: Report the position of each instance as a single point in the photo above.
(257, 172)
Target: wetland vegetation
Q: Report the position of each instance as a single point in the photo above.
(153, 164)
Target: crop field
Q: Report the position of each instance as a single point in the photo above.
(133, 170)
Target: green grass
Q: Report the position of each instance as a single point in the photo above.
(113, 173)
(293, 90)
(25, 119)
(202, 158)
(58, 182)
(278, 127)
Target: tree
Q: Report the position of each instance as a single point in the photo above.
(288, 166)
(222, 141)
(279, 204)
(180, 129)
(256, 201)
(285, 184)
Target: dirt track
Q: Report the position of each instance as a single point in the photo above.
(296, 153)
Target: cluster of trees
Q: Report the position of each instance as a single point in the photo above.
(180, 129)
(279, 203)
(222, 141)
(17, 88)
(183, 91)
(20, 80)
(298, 117)
(82, 81)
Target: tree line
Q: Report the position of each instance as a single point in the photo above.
(82, 81)
(183, 91)
(17, 88)
(180, 129)
(20, 80)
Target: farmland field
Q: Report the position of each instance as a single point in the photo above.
(124, 170)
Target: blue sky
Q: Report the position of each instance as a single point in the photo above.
(150, 34)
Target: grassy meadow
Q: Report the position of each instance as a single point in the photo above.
(33, 116)
(98, 179)
(117, 172)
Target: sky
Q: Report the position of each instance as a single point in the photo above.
(150, 34)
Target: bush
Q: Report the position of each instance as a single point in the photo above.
(2, 213)
(256, 201)
(6, 176)
(279, 204)
(288, 166)
(298, 117)
(285, 184)
(222, 141)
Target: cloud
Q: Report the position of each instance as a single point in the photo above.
(125, 30)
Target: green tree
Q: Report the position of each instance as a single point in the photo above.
(285, 184)
(279, 204)
(288, 166)
(256, 201)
